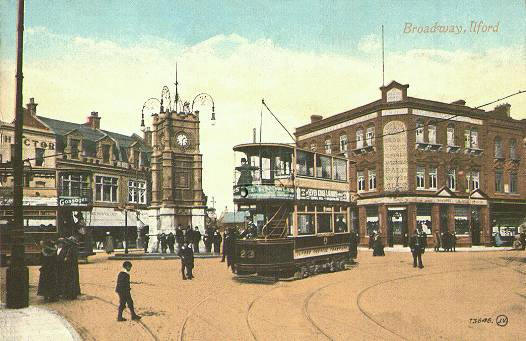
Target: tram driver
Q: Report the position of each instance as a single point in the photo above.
(245, 176)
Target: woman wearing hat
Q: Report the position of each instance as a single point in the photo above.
(47, 283)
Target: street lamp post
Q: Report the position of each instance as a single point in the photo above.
(17, 279)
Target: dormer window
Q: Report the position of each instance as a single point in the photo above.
(136, 158)
(74, 150)
(106, 153)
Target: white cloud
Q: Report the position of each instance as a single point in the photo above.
(115, 80)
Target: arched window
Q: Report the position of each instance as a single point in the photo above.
(513, 149)
(359, 138)
(498, 148)
(419, 131)
(343, 143)
(450, 135)
(432, 134)
(328, 145)
(369, 136)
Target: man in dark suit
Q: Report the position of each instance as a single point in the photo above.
(170, 240)
(187, 261)
(123, 289)
(196, 239)
(417, 243)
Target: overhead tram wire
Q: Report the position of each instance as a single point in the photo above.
(270, 111)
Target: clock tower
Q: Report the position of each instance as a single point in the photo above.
(177, 188)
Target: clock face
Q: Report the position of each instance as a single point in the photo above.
(182, 140)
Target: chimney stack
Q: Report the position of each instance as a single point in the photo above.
(32, 106)
(503, 110)
(147, 136)
(315, 118)
(93, 120)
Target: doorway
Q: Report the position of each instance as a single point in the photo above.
(397, 224)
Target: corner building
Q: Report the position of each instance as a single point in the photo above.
(418, 162)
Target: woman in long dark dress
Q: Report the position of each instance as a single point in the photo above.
(71, 270)
(47, 283)
(378, 246)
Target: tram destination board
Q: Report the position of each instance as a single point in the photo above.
(322, 194)
(263, 192)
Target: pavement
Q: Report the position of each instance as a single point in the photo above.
(34, 323)
(400, 248)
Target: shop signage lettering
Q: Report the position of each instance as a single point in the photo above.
(322, 194)
(39, 144)
(319, 251)
(73, 201)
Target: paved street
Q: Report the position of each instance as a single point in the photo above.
(382, 298)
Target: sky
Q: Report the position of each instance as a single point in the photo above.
(302, 57)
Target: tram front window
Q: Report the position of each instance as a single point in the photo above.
(305, 163)
(324, 222)
(305, 224)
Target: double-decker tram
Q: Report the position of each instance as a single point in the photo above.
(299, 203)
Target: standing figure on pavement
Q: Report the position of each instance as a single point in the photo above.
(108, 243)
(196, 239)
(47, 283)
(353, 246)
(417, 243)
(123, 289)
(189, 235)
(146, 238)
(162, 240)
(378, 245)
(437, 241)
(207, 240)
(217, 242)
(454, 241)
(71, 270)
(179, 237)
(226, 244)
(187, 261)
(170, 240)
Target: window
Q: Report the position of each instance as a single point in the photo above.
(420, 176)
(75, 148)
(305, 224)
(74, 185)
(514, 186)
(40, 183)
(474, 139)
(106, 153)
(340, 169)
(136, 158)
(372, 219)
(423, 218)
(361, 182)
(513, 150)
(136, 192)
(369, 136)
(305, 163)
(499, 186)
(452, 179)
(432, 134)
(39, 156)
(419, 132)
(498, 148)
(474, 180)
(340, 223)
(323, 167)
(343, 143)
(461, 220)
(328, 146)
(372, 180)
(467, 139)
(106, 188)
(313, 147)
(324, 222)
(433, 178)
(450, 135)
(359, 138)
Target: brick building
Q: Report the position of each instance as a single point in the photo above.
(441, 166)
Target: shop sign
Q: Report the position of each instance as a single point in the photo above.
(263, 192)
(73, 201)
(31, 201)
(313, 252)
(322, 194)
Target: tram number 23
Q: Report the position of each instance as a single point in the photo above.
(247, 253)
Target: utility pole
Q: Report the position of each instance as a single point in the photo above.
(17, 279)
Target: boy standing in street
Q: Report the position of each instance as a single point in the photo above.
(123, 289)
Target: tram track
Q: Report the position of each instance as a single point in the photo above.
(251, 304)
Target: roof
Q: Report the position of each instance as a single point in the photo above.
(233, 217)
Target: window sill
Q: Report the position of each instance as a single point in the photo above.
(473, 151)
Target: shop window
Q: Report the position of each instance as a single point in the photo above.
(433, 178)
(136, 192)
(340, 223)
(369, 136)
(106, 188)
(461, 220)
(328, 146)
(340, 169)
(372, 180)
(372, 219)
(450, 135)
(324, 222)
(423, 218)
(513, 150)
(420, 177)
(514, 185)
(498, 148)
(499, 185)
(452, 179)
(39, 156)
(432, 134)
(360, 181)
(419, 131)
(323, 167)
(343, 143)
(305, 163)
(305, 224)
(359, 138)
